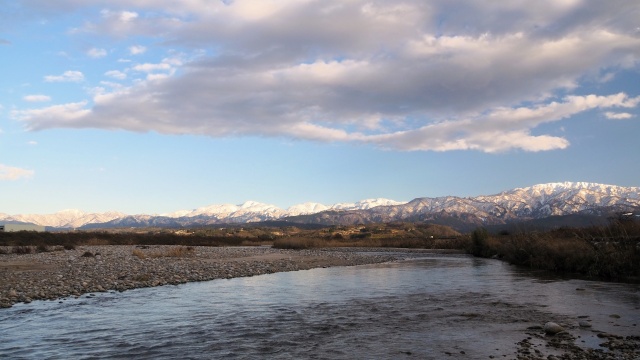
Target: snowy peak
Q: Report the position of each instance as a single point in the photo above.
(258, 211)
(306, 208)
(228, 210)
(366, 204)
(69, 218)
(526, 203)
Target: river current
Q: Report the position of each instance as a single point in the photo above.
(428, 308)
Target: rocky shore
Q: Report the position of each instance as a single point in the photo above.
(61, 273)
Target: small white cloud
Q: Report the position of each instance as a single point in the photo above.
(32, 143)
(37, 98)
(116, 74)
(14, 173)
(67, 76)
(617, 116)
(111, 84)
(97, 53)
(137, 50)
(152, 67)
(126, 16)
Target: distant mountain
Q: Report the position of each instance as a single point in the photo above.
(517, 205)
(554, 203)
(62, 219)
(250, 211)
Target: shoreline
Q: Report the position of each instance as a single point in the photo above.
(62, 273)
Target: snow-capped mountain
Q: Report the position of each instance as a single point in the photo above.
(63, 219)
(306, 208)
(246, 212)
(365, 204)
(250, 211)
(535, 202)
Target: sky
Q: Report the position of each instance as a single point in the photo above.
(150, 107)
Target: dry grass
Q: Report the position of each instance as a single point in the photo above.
(97, 242)
(176, 252)
(139, 254)
(413, 243)
(611, 252)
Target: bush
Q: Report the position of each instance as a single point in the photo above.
(42, 248)
(480, 243)
(22, 250)
(610, 252)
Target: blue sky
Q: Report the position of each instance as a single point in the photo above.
(156, 106)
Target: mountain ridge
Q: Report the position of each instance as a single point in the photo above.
(518, 204)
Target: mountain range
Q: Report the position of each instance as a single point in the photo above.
(568, 199)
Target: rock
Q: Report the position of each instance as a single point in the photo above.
(584, 324)
(552, 328)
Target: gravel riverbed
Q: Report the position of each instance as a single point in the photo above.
(63, 273)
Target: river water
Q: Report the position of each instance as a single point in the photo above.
(423, 308)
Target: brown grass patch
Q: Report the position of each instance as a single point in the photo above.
(138, 253)
(179, 251)
(176, 252)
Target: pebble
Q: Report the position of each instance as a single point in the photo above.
(552, 328)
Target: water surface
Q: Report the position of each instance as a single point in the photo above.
(424, 308)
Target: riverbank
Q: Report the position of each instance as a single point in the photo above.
(61, 273)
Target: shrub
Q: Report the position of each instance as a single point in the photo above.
(42, 248)
(611, 252)
(480, 243)
(22, 250)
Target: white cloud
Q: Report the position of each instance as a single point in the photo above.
(14, 173)
(407, 75)
(67, 76)
(37, 98)
(152, 67)
(96, 53)
(617, 116)
(55, 115)
(32, 143)
(137, 49)
(116, 74)
(500, 129)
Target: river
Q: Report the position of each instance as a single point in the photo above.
(429, 307)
